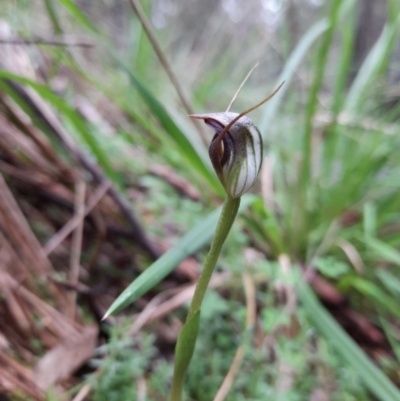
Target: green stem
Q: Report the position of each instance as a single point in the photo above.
(225, 222)
(188, 335)
(53, 17)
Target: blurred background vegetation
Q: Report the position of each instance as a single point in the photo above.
(94, 98)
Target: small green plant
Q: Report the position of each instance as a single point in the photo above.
(125, 362)
(236, 155)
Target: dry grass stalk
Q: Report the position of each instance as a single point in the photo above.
(82, 393)
(157, 308)
(73, 223)
(251, 307)
(14, 376)
(76, 246)
(19, 234)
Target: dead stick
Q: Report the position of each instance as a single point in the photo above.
(250, 292)
(76, 246)
(71, 225)
(43, 41)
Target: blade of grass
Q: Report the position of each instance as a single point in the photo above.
(141, 54)
(348, 36)
(344, 68)
(392, 338)
(372, 66)
(298, 54)
(300, 214)
(383, 250)
(393, 12)
(373, 292)
(373, 378)
(389, 280)
(369, 220)
(187, 245)
(78, 14)
(53, 17)
(296, 57)
(312, 103)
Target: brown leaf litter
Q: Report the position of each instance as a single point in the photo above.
(55, 205)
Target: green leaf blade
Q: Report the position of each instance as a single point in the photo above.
(373, 378)
(187, 245)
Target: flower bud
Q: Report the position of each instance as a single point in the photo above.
(236, 155)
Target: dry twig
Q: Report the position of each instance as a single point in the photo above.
(250, 292)
(76, 246)
(65, 42)
(76, 220)
(156, 310)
